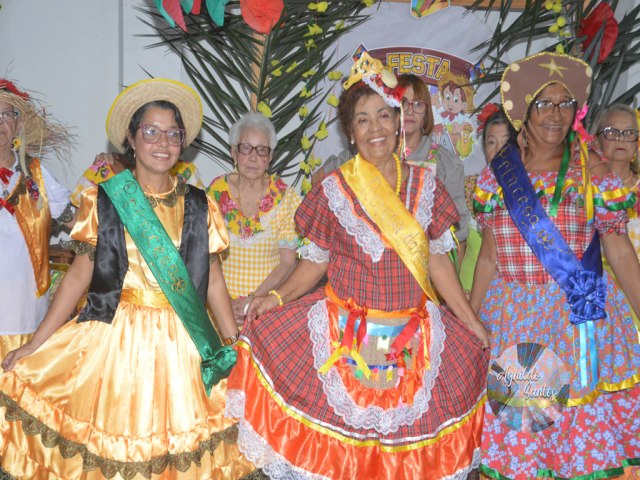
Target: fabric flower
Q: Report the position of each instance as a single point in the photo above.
(586, 296)
(319, 7)
(591, 25)
(266, 204)
(303, 111)
(261, 15)
(322, 133)
(226, 203)
(486, 112)
(264, 109)
(305, 143)
(333, 100)
(334, 75)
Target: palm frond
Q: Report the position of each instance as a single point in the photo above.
(532, 25)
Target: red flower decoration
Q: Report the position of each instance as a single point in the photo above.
(488, 110)
(226, 203)
(590, 26)
(7, 85)
(266, 203)
(245, 232)
(261, 15)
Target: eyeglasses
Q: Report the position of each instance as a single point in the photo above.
(613, 134)
(547, 106)
(151, 134)
(246, 149)
(417, 105)
(8, 116)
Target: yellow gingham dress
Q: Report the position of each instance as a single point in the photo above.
(255, 242)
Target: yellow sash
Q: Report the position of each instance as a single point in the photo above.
(398, 226)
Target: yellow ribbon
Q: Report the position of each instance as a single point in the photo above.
(399, 227)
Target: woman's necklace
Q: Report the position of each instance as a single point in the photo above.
(631, 176)
(257, 202)
(399, 170)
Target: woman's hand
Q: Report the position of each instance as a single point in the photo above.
(260, 305)
(481, 332)
(240, 308)
(13, 356)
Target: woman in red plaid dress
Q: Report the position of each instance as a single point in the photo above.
(368, 377)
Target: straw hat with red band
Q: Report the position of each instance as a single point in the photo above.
(186, 100)
(523, 80)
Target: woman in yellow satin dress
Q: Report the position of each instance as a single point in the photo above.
(118, 392)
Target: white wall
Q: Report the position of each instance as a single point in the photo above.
(77, 54)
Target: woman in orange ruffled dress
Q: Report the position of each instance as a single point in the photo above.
(368, 377)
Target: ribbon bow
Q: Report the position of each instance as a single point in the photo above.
(7, 206)
(351, 340)
(217, 366)
(5, 175)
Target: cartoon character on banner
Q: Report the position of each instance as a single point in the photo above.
(453, 105)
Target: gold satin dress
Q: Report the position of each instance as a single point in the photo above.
(122, 400)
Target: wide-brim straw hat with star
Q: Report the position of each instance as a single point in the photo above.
(39, 132)
(185, 98)
(523, 80)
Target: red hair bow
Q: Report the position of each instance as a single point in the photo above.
(488, 110)
(7, 85)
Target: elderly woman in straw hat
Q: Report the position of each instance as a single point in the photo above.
(30, 198)
(131, 385)
(563, 385)
(368, 377)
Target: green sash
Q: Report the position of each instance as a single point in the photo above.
(167, 266)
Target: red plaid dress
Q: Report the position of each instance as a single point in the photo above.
(295, 420)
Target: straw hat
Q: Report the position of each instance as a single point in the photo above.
(137, 95)
(523, 80)
(39, 132)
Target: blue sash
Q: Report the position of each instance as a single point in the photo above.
(581, 282)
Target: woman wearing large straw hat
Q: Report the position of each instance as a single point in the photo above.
(564, 398)
(132, 386)
(29, 198)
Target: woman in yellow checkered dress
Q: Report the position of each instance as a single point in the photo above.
(258, 210)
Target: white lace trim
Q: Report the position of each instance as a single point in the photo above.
(463, 473)
(373, 417)
(425, 200)
(444, 244)
(258, 451)
(313, 253)
(364, 235)
(262, 455)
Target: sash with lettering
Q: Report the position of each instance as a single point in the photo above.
(398, 226)
(581, 281)
(167, 266)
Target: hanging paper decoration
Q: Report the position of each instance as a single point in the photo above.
(592, 24)
(216, 10)
(172, 13)
(261, 15)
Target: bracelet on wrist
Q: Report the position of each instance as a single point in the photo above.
(278, 297)
(232, 339)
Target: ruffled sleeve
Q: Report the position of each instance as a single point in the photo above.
(486, 196)
(218, 235)
(314, 219)
(445, 213)
(85, 232)
(611, 202)
(287, 234)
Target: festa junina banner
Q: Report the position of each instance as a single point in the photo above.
(436, 48)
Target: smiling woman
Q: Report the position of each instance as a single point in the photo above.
(368, 377)
(258, 209)
(143, 349)
(540, 289)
